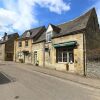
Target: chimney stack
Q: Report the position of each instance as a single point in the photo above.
(5, 34)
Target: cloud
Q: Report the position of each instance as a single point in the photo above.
(7, 17)
(21, 14)
(56, 6)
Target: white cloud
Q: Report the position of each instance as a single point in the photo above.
(7, 17)
(21, 14)
(56, 6)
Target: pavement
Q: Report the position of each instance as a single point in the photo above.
(92, 82)
(36, 83)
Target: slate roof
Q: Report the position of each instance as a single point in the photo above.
(9, 37)
(75, 25)
(56, 28)
(34, 32)
(41, 38)
(70, 27)
(43, 35)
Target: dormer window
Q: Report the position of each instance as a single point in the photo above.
(28, 34)
(51, 30)
(48, 36)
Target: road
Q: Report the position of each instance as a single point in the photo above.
(32, 85)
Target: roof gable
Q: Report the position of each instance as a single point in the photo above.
(93, 21)
(53, 28)
(49, 28)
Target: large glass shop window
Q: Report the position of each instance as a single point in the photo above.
(64, 54)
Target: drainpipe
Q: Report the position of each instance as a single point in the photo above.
(31, 51)
(84, 54)
(14, 50)
(43, 54)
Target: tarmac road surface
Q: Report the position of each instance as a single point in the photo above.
(32, 85)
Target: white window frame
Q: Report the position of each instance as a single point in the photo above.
(68, 57)
(20, 54)
(28, 34)
(48, 34)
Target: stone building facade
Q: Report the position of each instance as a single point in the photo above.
(69, 46)
(7, 47)
(23, 45)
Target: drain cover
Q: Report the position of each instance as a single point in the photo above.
(4, 79)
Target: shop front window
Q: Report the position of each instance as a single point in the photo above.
(64, 55)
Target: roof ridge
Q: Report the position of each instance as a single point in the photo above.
(35, 28)
(89, 11)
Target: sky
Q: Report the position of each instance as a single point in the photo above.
(20, 15)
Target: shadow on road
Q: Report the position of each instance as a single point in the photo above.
(4, 79)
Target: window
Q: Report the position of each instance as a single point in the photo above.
(61, 55)
(20, 43)
(20, 54)
(64, 55)
(28, 34)
(48, 36)
(26, 43)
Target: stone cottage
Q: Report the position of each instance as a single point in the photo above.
(7, 46)
(68, 46)
(23, 45)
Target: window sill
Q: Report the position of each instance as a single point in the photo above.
(65, 62)
(62, 62)
(48, 42)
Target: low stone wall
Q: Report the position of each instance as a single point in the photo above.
(93, 69)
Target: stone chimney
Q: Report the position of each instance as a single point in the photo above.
(5, 36)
